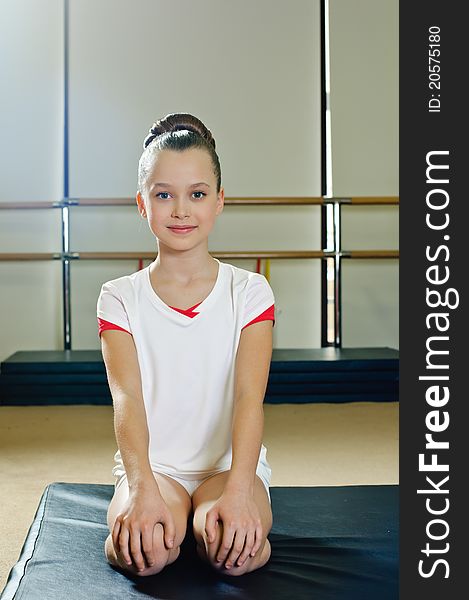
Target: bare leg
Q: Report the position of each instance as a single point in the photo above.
(203, 499)
(179, 503)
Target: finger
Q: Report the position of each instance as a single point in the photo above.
(226, 543)
(258, 542)
(250, 539)
(136, 549)
(210, 525)
(115, 535)
(238, 545)
(147, 545)
(124, 544)
(169, 530)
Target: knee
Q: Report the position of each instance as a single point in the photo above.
(251, 563)
(160, 563)
(209, 552)
(163, 557)
(205, 549)
(162, 560)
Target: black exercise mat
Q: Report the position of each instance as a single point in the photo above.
(328, 543)
(296, 375)
(283, 359)
(275, 378)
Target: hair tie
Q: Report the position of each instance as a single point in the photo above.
(150, 137)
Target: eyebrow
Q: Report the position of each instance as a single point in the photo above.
(163, 184)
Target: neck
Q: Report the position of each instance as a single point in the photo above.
(184, 267)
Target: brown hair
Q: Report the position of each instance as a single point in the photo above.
(178, 132)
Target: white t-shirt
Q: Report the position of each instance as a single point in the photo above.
(187, 365)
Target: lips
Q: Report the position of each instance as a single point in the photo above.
(182, 229)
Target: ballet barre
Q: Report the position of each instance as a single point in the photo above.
(333, 256)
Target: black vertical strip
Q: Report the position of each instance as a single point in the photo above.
(433, 287)
(323, 103)
(66, 267)
(66, 90)
(324, 301)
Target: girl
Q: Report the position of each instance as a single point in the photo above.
(187, 344)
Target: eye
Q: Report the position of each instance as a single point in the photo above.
(203, 194)
(159, 194)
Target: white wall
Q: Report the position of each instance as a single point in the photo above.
(364, 102)
(31, 115)
(251, 71)
(364, 59)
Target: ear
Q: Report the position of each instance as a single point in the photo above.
(141, 205)
(220, 201)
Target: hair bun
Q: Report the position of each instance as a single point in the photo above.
(177, 122)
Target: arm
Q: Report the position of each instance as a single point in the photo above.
(130, 423)
(251, 376)
(237, 509)
(133, 528)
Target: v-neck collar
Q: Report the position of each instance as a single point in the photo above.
(175, 314)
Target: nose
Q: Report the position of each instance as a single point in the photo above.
(180, 209)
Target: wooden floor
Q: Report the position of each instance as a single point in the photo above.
(307, 444)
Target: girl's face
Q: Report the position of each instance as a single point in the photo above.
(181, 191)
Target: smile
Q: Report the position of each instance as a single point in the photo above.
(180, 230)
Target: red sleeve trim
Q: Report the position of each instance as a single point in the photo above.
(104, 325)
(265, 316)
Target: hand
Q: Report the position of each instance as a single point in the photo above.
(134, 525)
(242, 527)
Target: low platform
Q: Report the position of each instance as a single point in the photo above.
(328, 543)
(296, 376)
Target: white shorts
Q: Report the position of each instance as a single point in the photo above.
(190, 485)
